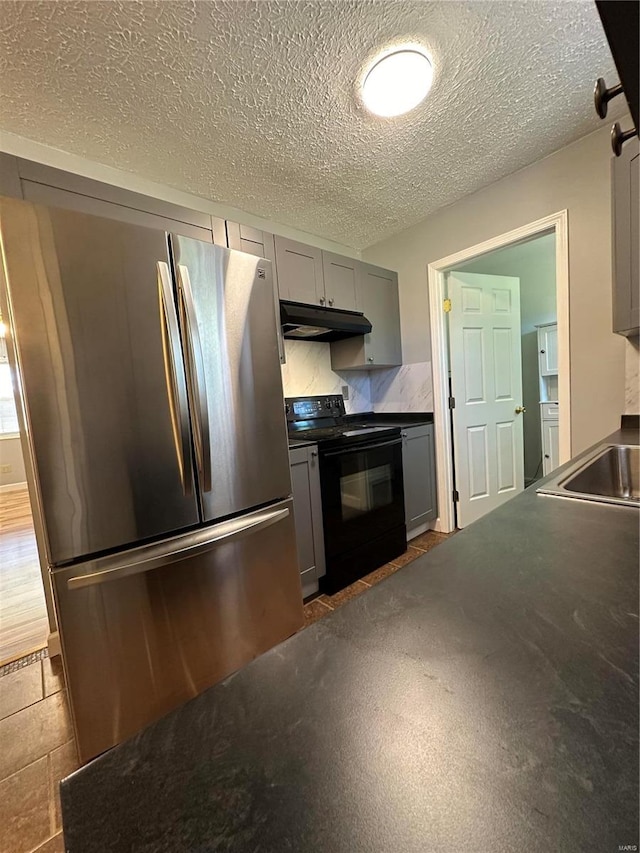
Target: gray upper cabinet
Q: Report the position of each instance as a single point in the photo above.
(42, 184)
(300, 277)
(307, 510)
(262, 244)
(418, 467)
(340, 281)
(625, 180)
(251, 240)
(377, 298)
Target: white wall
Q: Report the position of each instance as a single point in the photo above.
(576, 178)
(11, 454)
(534, 263)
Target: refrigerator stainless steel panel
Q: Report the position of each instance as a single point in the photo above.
(148, 629)
(101, 366)
(235, 383)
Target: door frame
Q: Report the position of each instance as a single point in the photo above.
(437, 272)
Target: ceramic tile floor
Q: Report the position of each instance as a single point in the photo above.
(36, 751)
(36, 743)
(324, 604)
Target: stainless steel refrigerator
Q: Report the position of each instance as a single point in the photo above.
(150, 382)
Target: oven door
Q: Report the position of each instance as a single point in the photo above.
(362, 493)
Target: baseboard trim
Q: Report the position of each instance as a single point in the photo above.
(53, 644)
(14, 487)
(416, 531)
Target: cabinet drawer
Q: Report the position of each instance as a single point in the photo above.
(549, 411)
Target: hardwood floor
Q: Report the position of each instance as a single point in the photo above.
(23, 613)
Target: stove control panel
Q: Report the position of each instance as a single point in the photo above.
(314, 408)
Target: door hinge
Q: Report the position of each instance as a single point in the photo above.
(452, 402)
(446, 306)
(456, 496)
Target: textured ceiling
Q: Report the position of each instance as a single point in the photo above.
(254, 104)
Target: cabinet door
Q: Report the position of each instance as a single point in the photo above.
(340, 281)
(550, 446)
(307, 508)
(260, 243)
(378, 300)
(625, 181)
(418, 465)
(548, 350)
(300, 277)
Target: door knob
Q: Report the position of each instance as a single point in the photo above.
(520, 410)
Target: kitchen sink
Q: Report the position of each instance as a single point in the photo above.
(611, 474)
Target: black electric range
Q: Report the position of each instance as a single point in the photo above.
(361, 485)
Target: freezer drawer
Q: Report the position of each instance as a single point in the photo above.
(146, 631)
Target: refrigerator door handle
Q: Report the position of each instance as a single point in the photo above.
(156, 556)
(176, 388)
(196, 377)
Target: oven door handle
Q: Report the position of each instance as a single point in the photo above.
(360, 447)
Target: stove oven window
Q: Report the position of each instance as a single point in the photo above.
(363, 491)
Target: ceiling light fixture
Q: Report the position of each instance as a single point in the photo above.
(397, 82)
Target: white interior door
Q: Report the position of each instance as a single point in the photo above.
(486, 377)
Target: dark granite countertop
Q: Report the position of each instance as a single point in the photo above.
(401, 419)
(483, 698)
(298, 442)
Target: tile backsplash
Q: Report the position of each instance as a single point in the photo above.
(408, 388)
(308, 371)
(632, 377)
(398, 389)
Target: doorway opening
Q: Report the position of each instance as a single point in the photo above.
(500, 355)
(24, 622)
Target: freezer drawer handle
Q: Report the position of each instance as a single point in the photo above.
(197, 384)
(174, 377)
(227, 531)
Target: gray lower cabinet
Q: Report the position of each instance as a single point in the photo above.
(262, 244)
(377, 297)
(419, 472)
(307, 509)
(625, 183)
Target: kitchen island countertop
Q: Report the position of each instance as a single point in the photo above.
(483, 698)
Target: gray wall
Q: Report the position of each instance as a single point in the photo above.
(576, 178)
(534, 263)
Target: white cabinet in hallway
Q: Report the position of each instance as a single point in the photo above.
(549, 407)
(550, 446)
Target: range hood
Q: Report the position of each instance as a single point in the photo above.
(310, 323)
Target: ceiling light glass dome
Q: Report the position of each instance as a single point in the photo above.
(398, 82)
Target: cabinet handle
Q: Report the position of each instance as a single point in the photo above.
(370, 358)
(322, 300)
(541, 352)
(619, 137)
(602, 96)
(331, 302)
(404, 435)
(314, 452)
(546, 456)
